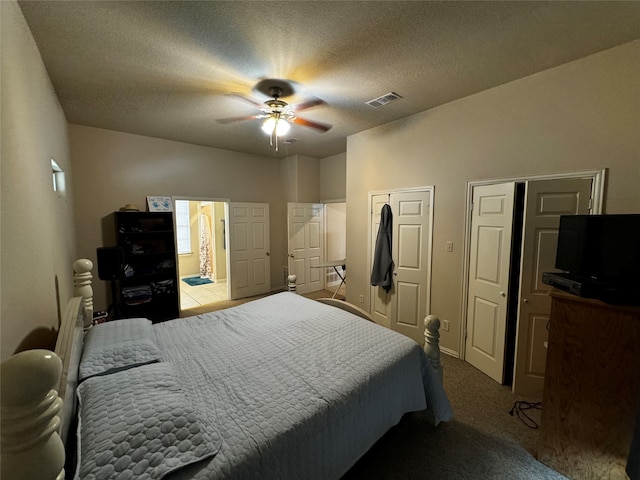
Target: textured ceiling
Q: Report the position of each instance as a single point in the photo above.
(162, 69)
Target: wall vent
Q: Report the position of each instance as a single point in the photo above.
(332, 279)
(383, 100)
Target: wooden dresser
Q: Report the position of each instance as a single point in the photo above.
(592, 387)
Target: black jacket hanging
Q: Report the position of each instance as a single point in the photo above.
(382, 272)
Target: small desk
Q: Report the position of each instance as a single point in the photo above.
(335, 264)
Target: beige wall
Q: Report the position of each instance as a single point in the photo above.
(112, 169)
(37, 234)
(579, 116)
(308, 179)
(333, 178)
(300, 177)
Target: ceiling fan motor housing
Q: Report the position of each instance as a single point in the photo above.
(275, 92)
(274, 87)
(276, 105)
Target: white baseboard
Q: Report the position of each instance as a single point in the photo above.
(451, 353)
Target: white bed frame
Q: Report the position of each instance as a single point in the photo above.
(38, 387)
(38, 393)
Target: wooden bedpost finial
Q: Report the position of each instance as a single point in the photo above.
(31, 446)
(291, 279)
(82, 281)
(82, 265)
(432, 342)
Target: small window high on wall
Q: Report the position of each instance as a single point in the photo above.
(58, 178)
(183, 227)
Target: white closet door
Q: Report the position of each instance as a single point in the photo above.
(404, 307)
(545, 201)
(380, 300)
(410, 251)
(491, 229)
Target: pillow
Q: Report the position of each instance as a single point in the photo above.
(118, 345)
(139, 424)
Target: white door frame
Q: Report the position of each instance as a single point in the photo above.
(431, 190)
(598, 178)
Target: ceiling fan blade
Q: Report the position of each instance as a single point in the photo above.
(312, 102)
(239, 119)
(245, 99)
(322, 127)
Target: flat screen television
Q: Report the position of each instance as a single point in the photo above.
(601, 248)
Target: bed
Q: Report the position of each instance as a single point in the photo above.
(280, 387)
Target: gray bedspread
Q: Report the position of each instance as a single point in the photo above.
(295, 389)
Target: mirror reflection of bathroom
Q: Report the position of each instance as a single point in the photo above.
(202, 264)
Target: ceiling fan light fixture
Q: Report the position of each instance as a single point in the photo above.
(276, 125)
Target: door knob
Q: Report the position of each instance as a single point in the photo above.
(291, 255)
(502, 294)
(268, 254)
(525, 300)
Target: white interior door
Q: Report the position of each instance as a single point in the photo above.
(410, 247)
(306, 245)
(545, 201)
(404, 307)
(380, 299)
(490, 254)
(248, 246)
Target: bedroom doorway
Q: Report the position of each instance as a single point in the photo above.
(335, 246)
(201, 251)
(317, 244)
(305, 229)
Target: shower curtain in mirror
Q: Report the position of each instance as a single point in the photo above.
(206, 251)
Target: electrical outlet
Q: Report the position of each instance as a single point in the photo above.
(361, 298)
(445, 325)
(449, 246)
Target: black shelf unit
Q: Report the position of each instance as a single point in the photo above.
(147, 284)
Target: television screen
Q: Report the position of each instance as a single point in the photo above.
(601, 247)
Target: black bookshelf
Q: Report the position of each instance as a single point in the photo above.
(147, 283)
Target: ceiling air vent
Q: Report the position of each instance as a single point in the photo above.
(383, 100)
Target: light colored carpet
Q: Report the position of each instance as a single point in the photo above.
(482, 441)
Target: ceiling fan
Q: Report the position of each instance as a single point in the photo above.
(277, 114)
